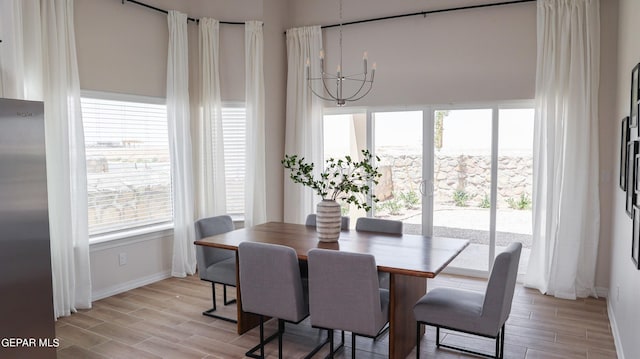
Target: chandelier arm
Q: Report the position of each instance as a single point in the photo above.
(320, 96)
(326, 88)
(325, 75)
(365, 94)
(320, 78)
(356, 77)
(350, 98)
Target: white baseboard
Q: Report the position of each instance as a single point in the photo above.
(132, 284)
(602, 292)
(614, 330)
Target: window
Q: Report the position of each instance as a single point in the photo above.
(128, 164)
(234, 125)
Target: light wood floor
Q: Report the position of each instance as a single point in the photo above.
(164, 320)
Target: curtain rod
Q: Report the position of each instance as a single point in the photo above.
(166, 12)
(427, 12)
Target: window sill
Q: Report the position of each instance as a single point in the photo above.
(129, 234)
(151, 232)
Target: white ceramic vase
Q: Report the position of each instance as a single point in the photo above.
(328, 220)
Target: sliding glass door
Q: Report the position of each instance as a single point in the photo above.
(397, 141)
(345, 134)
(515, 181)
(482, 179)
(447, 172)
(462, 181)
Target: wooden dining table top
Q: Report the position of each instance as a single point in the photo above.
(407, 254)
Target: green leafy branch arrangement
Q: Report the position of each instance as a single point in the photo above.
(342, 179)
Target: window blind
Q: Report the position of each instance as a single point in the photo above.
(128, 164)
(234, 125)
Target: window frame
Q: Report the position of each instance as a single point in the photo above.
(136, 231)
(428, 164)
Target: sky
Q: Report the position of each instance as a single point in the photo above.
(466, 131)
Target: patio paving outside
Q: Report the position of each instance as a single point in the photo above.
(472, 224)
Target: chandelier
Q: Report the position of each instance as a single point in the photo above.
(362, 81)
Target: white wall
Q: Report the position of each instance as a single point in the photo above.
(148, 259)
(607, 131)
(625, 279)
(464, 56)
(123, 49)
(276, 21)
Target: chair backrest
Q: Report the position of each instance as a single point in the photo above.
(311, 222)
(270, 281)
(379, 225)
(344, 292)
(501, 286)
(211, 226)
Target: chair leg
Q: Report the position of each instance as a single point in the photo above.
(382, 332)
(497, 346)
(209, 313)
(224, 295)
(213, 295)
(330, 343)
(261, 337)
(332, 348)
(261, 344)
(280, 333)
(252, 352)
(418, 340)
(353, 345)
(502, 341)
(499, 354)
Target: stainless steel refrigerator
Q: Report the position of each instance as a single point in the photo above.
(27, 327)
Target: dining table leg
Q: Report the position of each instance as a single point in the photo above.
(404, 292)
(246, 320)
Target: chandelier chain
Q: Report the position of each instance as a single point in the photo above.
(341, 34)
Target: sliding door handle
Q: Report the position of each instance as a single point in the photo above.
(426, 188)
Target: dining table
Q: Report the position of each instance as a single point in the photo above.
(408, 258)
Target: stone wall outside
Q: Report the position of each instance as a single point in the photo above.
(125, 188)
(127, 205)
(402, 172)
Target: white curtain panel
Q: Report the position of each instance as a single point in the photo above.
(184, 253)
(66, 164)
(565, 188)
(39, 62)
(255, 187)
(211, 190)
(303, 135)
(12, 54)
(21, 55)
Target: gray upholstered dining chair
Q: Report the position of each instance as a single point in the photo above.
(379, 225)
(344, 294)
(311, 222)
(482, 314)
(271, 286)
(216, 265)
(387, 226)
